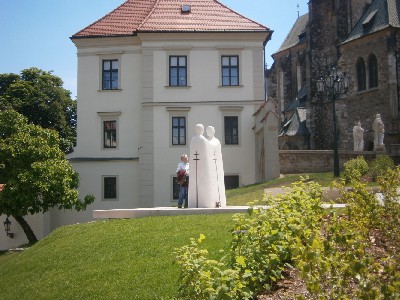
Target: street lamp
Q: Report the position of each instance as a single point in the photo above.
(7, 224)
(334, 85)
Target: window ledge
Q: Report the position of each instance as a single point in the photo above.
(231, 86)
(368, 90)
(111, 90)
(178, 87)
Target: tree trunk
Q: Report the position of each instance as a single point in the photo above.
(27, 229)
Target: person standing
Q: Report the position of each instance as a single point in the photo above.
(182, 173)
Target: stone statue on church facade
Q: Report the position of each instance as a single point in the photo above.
(379, 132)
(358, 136)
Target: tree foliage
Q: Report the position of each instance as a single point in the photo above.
(40, 97)
(36, 173)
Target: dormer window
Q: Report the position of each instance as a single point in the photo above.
(186, 8)
(369, 19)
(302, 37)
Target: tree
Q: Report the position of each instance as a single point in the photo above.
(36, 173)
(40, 97)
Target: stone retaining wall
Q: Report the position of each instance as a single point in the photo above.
(316, 161)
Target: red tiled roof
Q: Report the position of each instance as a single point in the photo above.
(135, 16)
(2, 187)
(123, 20)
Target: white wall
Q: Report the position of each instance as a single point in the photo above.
(37, 222)
(91, 177)
(206, 102)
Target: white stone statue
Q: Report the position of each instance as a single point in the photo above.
(379, 132)
(204, 179)
(358, 135)
(216, 152)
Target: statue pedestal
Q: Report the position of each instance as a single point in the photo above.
(380, 148)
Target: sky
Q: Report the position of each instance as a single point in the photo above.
(37, 33)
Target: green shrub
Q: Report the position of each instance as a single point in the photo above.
(348, 255)
(379, 166)
(355, 168)
(262, 246)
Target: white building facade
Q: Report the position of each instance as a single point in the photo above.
(141, 94)
(148, 72)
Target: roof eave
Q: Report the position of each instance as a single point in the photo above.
(101, 36)
(205, 31)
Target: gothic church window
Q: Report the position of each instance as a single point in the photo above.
(361, 75)
(372, 72)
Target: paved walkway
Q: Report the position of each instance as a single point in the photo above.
(171, 211)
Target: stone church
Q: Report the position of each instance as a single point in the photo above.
(361, 39)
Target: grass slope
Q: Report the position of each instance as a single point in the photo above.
(119, 259)
(247, 194)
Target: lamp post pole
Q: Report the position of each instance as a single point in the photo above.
(336, 86)
(336, 171)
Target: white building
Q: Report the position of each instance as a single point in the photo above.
(148, 72)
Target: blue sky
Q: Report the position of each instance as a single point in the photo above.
(36, 33)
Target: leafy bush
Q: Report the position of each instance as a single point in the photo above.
(262, 246)
(357, 257)
(355, 168)
(379, 166)
(336, 254)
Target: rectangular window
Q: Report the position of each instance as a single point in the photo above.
(230, 70)
(178, 71)
(231, 181)
(231, 125)
(178, 131)
(110, 134)
(110, 74)
(109, 187)
(175, 188)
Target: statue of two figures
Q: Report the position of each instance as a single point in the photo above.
(207, 187)
(379, 131)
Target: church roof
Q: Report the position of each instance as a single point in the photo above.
(300, 100)
(136, 16)
(296, 35)
(380, 14)
(296, 125)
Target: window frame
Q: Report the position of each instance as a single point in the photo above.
(178, 68)
(176, 111)
(110, 131)
(229, 178)
(175, 188)
(179, 127)
(105, 185)
(107, 117)
(229, 68)
(361, 75)
(228, 132)
(372, 72)
(111, 72)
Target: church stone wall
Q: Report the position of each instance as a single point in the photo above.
(315, 161)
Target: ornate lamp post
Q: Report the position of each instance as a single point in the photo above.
(7, 224)
(334, 86)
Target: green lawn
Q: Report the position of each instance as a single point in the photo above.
(119, 259)
(244, 195)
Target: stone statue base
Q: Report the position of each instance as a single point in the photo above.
(380, 148)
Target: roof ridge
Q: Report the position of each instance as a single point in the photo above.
(148, 15)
